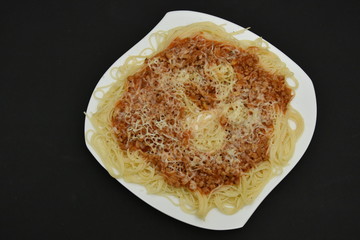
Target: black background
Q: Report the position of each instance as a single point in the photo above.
(54, 52)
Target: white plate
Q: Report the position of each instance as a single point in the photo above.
(304, 102)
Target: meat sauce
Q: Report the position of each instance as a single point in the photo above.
(150, 116)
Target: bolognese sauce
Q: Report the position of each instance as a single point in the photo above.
(201, 112)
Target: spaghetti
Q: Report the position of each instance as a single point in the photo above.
(203, 117)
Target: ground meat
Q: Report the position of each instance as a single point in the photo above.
(149, 117)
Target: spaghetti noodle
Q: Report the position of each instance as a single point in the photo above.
(199, 116)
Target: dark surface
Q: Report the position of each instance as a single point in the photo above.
(52, 55)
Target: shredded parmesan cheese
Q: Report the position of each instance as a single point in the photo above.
(201, 112)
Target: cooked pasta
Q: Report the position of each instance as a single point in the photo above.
(199, 117)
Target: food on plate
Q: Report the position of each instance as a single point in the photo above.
(200, 117)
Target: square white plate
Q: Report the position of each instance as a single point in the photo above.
(304, 102)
